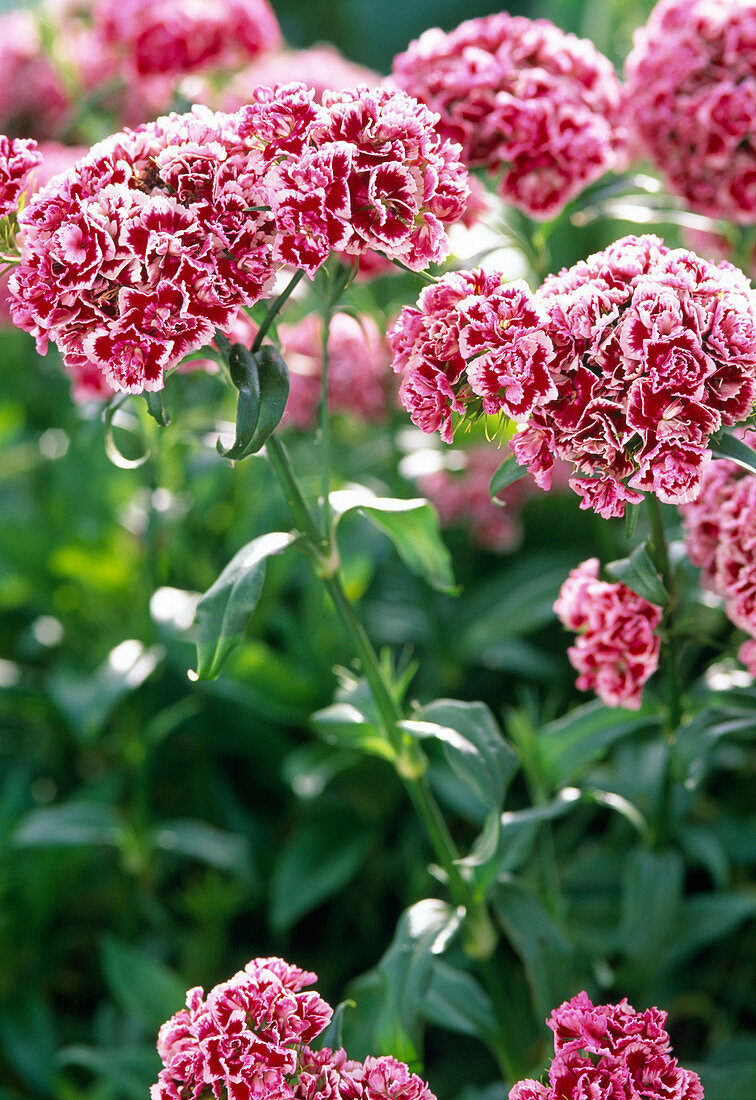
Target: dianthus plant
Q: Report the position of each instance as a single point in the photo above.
(622, 373)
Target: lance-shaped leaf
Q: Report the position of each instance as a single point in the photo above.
(262, 380)
(509, 472)
(729, 446)
(412, 526)
(473, 746)
(639, 573)
(227, 606)
(156, 407)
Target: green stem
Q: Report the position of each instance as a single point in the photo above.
(270, 316)
(325, 426)
(660, 553)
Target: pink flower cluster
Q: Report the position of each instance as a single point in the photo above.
(179, 36)
(156, 239)
(18, 159)
(320, 67)
(522, 96)
(654, 351)
(473, 345)
(720, 536)
(691, 80)
(33, 98)
(610, 1052)
(358, 374)
(248, 1040)
(617, 650)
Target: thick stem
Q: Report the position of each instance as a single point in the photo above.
(277, 305)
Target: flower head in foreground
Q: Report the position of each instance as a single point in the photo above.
(610, 1052)
(18, 159)
(248, 1040)
(654, 350)
(358, 374)
(691, 79)
(720, 536)
(162, 234)
(524, 98)
(179, 36)
(617, 649)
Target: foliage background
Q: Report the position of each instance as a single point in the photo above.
(155, 834)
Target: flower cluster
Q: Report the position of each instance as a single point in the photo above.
(610, 1051)
(691, 79)
(320, 67)
(371, 172)
(358, 375)
(18, 159)
(473, 345)
(248, 1039)
(720, 536)
(157, 238)
(179, 36)
(522, 96)
(34, 100)
(617, 649)
(655, 351)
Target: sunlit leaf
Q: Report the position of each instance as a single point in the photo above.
(509, 472)
(639, 573)
(729, 446)
(226, 608)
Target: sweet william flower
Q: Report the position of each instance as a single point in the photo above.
(526, 100)
(617, 649)
(691, 82)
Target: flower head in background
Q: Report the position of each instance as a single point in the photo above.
(617, 649)
(720, 537)
(180, 36)
(691, 81)
(613, 1052)
(34, 101)
(249, 1040)
(542, 107)
(359, 378)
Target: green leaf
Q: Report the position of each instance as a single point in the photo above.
(320, 859)
(423, 932)
(706, 919)
(144, 988)
(343, 724)
(509, 472)
(652, 890)
(226, 608)
(570, 745)
(473, 746)
(130, 1070)
(540, 944)
(412, 526)
(639, 573)
(69, 825)
(204, 842)
(155, 401)
(729, 446)
(632, 515)
(262, 380)
(331, 1036)
(456, 1001)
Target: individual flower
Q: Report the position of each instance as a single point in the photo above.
(358, 374)
(180, 36)
(18, 159)
(473, 344)
(249, 1040)
(610, 1052)
(655, 350)
(541, 107)
(617, 649)
(720, 537)
(33, 99)
(691, 82)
